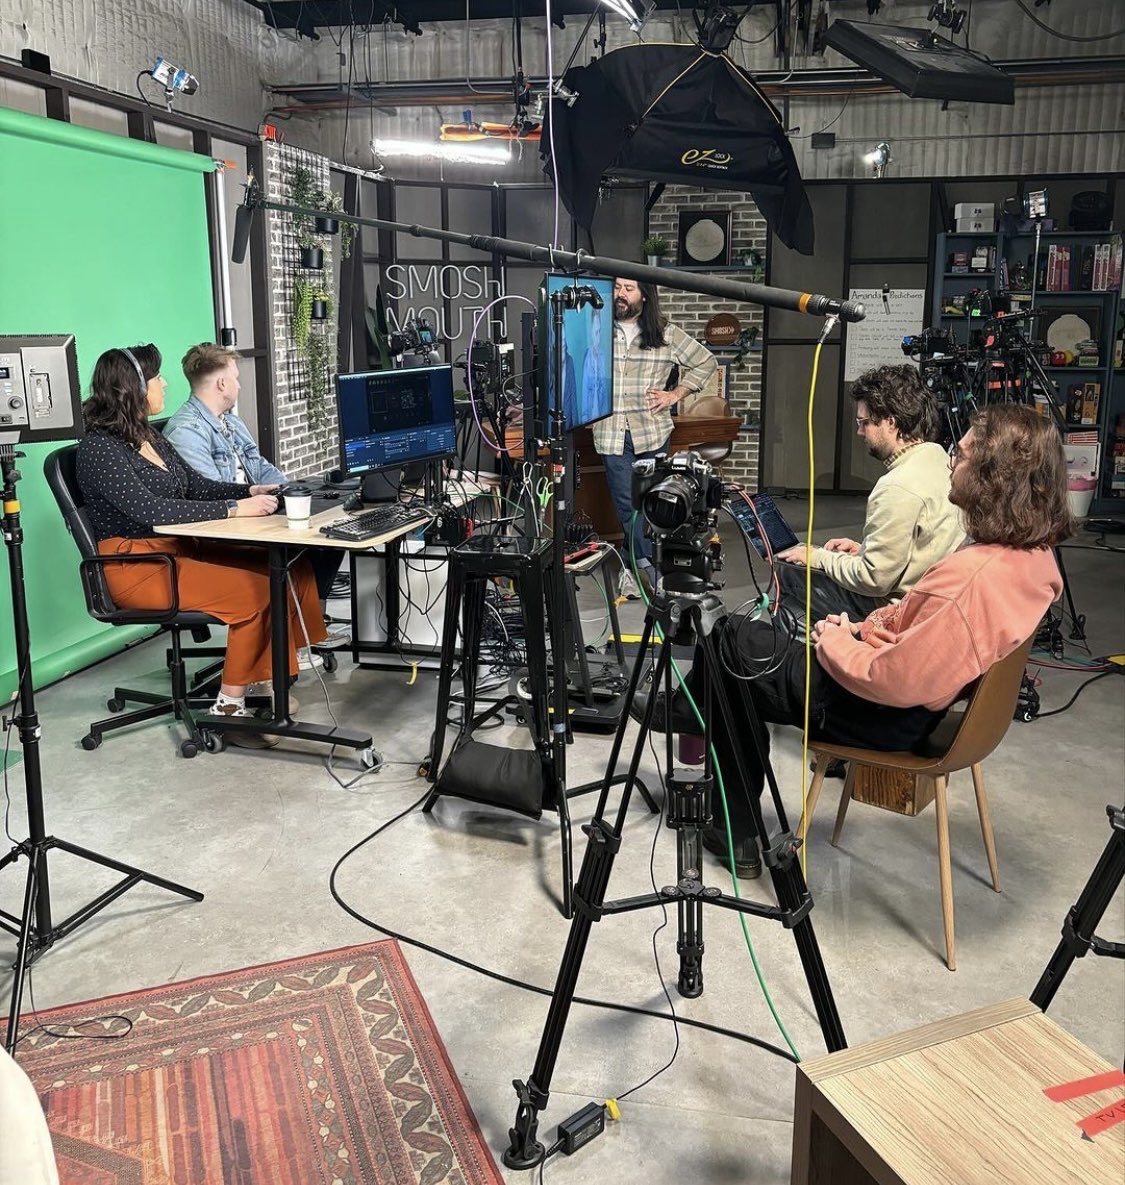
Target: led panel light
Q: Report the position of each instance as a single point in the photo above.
(634, 12)
(921, 66)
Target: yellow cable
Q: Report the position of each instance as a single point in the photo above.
(808, 604)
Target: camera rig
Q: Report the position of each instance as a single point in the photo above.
(1000, 363)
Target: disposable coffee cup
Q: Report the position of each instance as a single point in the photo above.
(298, 506)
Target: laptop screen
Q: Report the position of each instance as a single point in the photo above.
(778, 531)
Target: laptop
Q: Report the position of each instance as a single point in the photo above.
(778, 531)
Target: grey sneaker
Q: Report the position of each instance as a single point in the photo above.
(627, 586)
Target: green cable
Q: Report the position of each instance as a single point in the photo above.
(682, 686)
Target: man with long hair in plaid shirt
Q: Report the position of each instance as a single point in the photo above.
(655, 365)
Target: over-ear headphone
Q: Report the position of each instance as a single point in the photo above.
(137, 367)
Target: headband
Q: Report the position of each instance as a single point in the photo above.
(137, 367)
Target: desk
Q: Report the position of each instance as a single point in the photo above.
(960, 1101)
(274, 533)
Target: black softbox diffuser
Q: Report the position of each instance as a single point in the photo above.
(678, 114)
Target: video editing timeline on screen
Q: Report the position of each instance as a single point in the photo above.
(391, 417)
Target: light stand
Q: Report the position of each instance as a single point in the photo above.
(1078, 935)
(34, 929)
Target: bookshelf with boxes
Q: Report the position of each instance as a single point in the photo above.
(1076, 281)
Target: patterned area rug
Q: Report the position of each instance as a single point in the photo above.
(323, 1070)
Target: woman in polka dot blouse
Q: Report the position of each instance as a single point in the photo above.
(133, 480)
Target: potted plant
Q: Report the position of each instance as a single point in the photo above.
(311, 248)
(655, 248)
(321, 304)
(752, 258)
(331, 203)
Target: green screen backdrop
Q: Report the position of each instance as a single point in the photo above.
(106, 238)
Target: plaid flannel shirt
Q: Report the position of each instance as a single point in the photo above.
(635, 371)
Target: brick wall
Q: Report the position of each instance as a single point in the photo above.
(691, 311)
(303, 450)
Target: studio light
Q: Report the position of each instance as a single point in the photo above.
(634, 12)
(476, 153)
(171, 78)
(878, 158)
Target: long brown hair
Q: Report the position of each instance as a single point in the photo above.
(118, 403)
(651, 320)
(1013, 489)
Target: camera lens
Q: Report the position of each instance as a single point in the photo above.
(668, 505)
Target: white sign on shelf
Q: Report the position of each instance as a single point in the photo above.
(877, 339)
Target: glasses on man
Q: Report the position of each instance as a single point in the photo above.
(955, 454)
(861, 422)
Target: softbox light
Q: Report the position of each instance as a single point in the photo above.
(677, 114)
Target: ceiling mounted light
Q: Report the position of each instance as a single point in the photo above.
(171, 78)
(878, 158)
(634, 12)
(475, 153)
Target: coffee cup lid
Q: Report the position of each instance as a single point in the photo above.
(299, 491)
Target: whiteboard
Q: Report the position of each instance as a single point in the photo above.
(877, 340)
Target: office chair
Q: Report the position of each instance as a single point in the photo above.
(59, 469)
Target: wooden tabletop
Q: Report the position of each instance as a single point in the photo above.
(962, 1101)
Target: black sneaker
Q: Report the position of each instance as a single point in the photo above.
(682, 717)
(747, 858)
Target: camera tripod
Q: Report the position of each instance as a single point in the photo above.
(34, 929)
(681, 618)
(1078, 935)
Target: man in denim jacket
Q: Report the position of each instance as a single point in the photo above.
(212, 439)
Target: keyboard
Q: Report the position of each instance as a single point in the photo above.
(383, 520)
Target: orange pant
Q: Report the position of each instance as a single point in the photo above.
(229, 582)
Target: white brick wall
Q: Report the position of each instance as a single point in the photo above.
(691, 312)
(302, 451)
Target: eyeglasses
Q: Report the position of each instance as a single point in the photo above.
(955, 454)
(861, 422)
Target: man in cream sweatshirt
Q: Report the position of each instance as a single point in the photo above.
(910, 524)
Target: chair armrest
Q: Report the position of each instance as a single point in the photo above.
(90, 571)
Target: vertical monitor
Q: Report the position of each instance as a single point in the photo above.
(391, 417)
(587, 351)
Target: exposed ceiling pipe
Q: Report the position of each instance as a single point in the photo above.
(778, 84)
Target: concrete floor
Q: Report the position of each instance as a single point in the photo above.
(259, 832)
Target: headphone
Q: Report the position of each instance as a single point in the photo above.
(137, 367)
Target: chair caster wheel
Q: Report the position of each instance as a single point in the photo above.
(91, 742)
(213, 742)
(189, 749)
(424, 770)
(330, 660)
(115, 705)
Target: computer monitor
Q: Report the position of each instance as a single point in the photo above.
(587, 348)
(389, 418)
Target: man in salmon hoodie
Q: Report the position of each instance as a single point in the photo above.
(885, 682)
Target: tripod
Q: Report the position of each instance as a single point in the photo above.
(1078, 935)
(34, 929)
(681, 619)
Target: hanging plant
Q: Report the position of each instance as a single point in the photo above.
(316, 401)
(331, 203)
(302, 189)
(312, 248)
(301, 318)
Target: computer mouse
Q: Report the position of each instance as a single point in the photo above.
(330, 495)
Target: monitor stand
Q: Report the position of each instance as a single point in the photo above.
(382, 485)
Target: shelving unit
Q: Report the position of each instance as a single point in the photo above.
(1008, 251)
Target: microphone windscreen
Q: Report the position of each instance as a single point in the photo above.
(243, 221)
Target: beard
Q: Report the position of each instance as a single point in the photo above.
(626, 310)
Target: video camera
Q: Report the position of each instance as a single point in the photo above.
(416, 335)
(930, 343)
(679, 498)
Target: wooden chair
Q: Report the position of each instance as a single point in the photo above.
(962, 741)
(705, 425)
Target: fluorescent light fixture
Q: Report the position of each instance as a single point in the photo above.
(475, 153)
(878, 158)
(634, 12)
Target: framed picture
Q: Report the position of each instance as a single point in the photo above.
(1062, 327)
(704, 238)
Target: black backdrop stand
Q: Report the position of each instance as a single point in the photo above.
(1078, 935)
(680, 619)
(34, 929)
